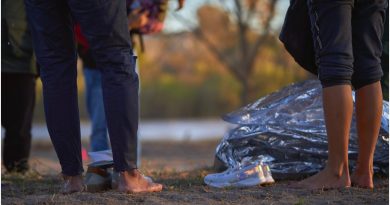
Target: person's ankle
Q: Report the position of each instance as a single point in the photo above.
(72, 184)
(77, 179)
(363, 178)
(67, 177)
(129, 173)
(363, 169)
(340, 174)
(133, 172)
(20, 166)
(338, 170)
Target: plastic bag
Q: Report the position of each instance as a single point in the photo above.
(286, 130)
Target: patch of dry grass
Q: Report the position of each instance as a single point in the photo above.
(180, 167)
(182, 188)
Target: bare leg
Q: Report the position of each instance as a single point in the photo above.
(368, 118)
(338, 107)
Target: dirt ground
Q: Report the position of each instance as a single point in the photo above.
(180, 166)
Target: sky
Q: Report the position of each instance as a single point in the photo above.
(172, 24)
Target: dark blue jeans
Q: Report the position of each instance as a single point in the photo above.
(95, 108)
(104, 23)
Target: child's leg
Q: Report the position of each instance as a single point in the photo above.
(368, 116)
(332, 34)
(367, 24)
(338, 107)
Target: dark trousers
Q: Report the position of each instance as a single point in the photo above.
(104, 24)
(17, 106)
(347, 38)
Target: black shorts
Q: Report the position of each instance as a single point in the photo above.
(347, 38)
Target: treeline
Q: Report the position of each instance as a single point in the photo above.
(181, 79)
(194, 74)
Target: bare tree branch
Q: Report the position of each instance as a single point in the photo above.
(234, 69)
(244, 65)
(199, 34)
(242, 29)
(262, 37)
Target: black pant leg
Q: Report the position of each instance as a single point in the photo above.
(105, 27)
(51, 27)
(18, 100)
(368, 28)
(332, 36)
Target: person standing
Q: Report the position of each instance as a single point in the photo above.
(347, 40)
(144, 17)
(18, 76)
(104, 24)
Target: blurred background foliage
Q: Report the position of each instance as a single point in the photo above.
(220, 56)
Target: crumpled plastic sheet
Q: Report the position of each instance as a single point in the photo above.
(286, 130)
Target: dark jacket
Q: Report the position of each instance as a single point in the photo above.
(16, 42)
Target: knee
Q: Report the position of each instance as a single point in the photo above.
(114, 58)
(120, 68)
(363, 77)
(335, 70)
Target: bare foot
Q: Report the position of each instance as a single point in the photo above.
(134, 182)
(362, 180)
(326, 179)
(72, 184)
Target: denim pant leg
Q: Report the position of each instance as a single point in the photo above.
(332, 36)
(95, 108)
(51, 28)
(104, 24)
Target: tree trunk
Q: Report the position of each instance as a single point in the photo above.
(244, 92)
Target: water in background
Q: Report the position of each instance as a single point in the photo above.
(157, 130)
